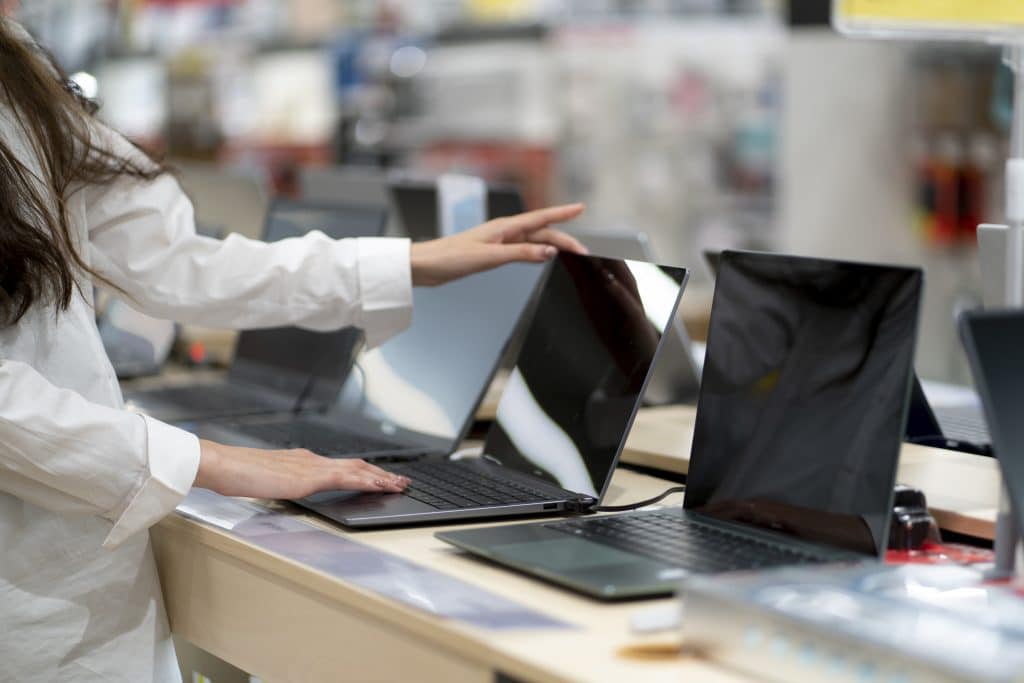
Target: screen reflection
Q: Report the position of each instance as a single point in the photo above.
(803, 397)
(580, 372)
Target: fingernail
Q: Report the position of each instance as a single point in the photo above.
(549, 252)
(380, 482)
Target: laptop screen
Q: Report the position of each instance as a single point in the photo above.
(577, 381)
(803, 397)
(993, 341)
(286, 358)
(429, 378)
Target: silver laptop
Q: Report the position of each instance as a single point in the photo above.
(797, 438)
(281, 369)
(417, 393)
(565, 411)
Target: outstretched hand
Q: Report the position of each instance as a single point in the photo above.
(525, 237)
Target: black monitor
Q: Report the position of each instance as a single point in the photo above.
(804, 396)
(994, 342)
(291, 359)
(584, 362)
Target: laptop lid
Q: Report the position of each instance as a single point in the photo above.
(676, 378)
(586, 357)
(426, 382)
(303, 363)
(993, 342)
(804, 396)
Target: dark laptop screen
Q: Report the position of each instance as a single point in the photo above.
(804, 395)
(994, 341)
(585, 358)
(285, 358)
(429, 378)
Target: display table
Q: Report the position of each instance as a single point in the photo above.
(284, 621)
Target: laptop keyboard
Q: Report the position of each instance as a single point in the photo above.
(447, 485)
(682, 542)
(963, 423)
(317, 437)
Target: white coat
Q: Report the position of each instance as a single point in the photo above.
(81, 479)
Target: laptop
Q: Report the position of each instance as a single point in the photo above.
(416, 203)
(954, 427)
(992, 340)
(279, 369)
(675, 378)
(797, 438)
(417, 393)
(565, 411)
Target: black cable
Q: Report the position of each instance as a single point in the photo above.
(642, 503)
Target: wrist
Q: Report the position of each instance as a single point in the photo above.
(210, 465)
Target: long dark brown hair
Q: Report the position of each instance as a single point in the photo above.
(38, 259)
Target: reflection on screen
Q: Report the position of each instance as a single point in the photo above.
(287, 357)
(430, 377)
(570, 398)
(803, 396)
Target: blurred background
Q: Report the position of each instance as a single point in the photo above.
(703, 123)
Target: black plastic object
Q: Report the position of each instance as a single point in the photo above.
(911, 524)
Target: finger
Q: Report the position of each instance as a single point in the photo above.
(534, 220)
(558, 239)
(499, 254)
(354, 479)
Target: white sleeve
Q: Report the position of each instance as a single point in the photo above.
(64, 453)
(142, 238)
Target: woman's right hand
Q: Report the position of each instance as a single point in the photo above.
(290, 474)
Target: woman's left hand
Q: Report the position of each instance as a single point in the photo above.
(525, 237)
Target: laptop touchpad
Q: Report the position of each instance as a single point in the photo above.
(566, 555)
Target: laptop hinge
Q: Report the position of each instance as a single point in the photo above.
(580, 503)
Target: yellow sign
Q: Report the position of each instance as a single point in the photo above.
(967, 17)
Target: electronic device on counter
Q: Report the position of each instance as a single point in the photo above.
(416, 394)
(564, 414)
(797, 438)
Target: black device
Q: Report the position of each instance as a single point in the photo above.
(565, 411)
(992, 340)
(415, 394)
(273, 370)
(797, 437)
(958, 428)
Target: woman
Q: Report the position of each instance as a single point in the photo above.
(81, 480)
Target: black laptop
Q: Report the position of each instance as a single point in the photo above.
(958, 428)
(565, 411)
(797, 438)
(417, 393)
(280, 369)
(993, 342)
